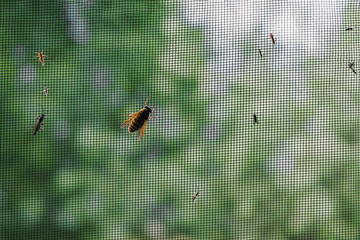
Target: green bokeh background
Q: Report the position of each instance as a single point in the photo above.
(83, 177)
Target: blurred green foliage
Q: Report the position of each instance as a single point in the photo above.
(82, 177)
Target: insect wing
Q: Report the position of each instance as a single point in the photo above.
(43, 59)
(255, 119)
(37, 127)
(195, 197)
(351, 66)
(272, 38)
(127, 122)
(39, 123)
(46, 91)
(141, 131)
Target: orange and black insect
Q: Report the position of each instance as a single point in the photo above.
(349, 29)
(137, 121)
(255, 119)
(195, 197)
(46, 91)
(351, 66)
(260, 52)
(39, 123)
(272, 38)
(41, 57)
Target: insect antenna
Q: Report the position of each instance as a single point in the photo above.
(147, 99)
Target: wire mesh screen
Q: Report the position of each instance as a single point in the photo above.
(179, 119)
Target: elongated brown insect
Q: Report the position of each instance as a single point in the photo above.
(46, 91)
(41, 57)
(255, 119)
(272, 38)
(195, 197)
(39, 123)
(351, 66)
(260, 52)
(349, 29)
(137, 121)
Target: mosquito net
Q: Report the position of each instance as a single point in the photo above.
(179, 119)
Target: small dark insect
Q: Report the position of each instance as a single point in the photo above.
(46, 91)
(351, 66)
(260, 52)
(272, 38)
(255, 119)
(137, 121)
(41, 57)
(39, 123)
(349, 29)
(195, 197)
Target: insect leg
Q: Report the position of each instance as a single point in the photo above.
(141, 132)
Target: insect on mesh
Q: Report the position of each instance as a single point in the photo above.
(250, 129)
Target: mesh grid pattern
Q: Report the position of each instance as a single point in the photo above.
(293, 175)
